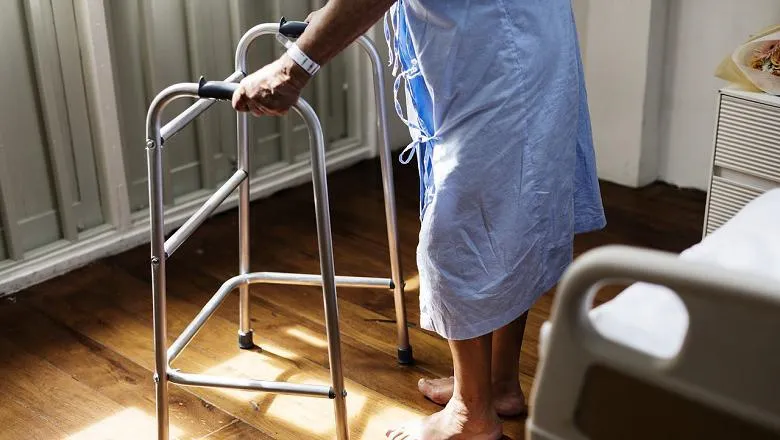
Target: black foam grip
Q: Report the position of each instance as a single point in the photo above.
(292, 29)
(217, 90)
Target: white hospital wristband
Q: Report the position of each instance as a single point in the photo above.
(301, 59)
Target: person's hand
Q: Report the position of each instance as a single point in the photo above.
(271, 90)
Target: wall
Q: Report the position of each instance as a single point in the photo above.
(651, 83)
(73, 185)
(622, 72)
(700, 34)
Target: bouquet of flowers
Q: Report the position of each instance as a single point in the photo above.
(755, 65)
(767, 58)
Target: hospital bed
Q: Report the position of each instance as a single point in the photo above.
(690, 350)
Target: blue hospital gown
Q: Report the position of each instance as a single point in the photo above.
(498, 113)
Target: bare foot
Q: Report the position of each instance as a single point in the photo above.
(452, 423)
(439, 391)
(508, 399)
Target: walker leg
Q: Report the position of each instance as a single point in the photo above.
(154, 163)
(245, 330)
(327, 267)
(405, 355)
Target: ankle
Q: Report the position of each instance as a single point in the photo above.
(479, 409)
(506, 386)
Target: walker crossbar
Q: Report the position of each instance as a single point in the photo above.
(202, 380)
(213, 202)
(208, 93)
(267, 278)
(316, 280)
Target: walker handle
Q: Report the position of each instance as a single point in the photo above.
(292, 29)
(216, 89)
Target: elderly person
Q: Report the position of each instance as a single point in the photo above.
(498, 114)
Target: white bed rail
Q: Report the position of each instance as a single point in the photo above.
(729, 361)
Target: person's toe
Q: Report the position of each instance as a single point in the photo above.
(410, 431)
(394, 434)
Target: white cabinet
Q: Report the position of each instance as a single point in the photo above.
(746, 157)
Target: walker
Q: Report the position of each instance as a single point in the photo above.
(209, 92)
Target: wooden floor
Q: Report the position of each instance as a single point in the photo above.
(77, 351)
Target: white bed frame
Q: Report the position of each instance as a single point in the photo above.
(723, 383)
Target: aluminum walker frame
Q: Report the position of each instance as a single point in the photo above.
(161, 249)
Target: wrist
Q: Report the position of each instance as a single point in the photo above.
(296, 73)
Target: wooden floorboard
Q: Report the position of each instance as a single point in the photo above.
(78, 349)
(237, 431)
(108, 373)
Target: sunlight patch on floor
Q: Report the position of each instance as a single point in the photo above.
(370, 415)
(305, 414)
(385, 419)
(313, 415)
(412, 283)
(305, 335)
(279, 352)
(128, 424)
(249, 365)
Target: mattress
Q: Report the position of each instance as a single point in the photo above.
(653, 319)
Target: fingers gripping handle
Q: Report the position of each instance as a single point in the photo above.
(216, 89)
(224, 90)
(292, 29)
